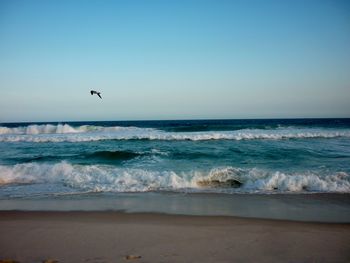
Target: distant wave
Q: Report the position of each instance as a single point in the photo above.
(62, 129)
(113, 155)
(104, 178)
(96, 157)
(208, 127)
(67, 133)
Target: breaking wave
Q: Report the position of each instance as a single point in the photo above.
(104, 178)
(67, 133)
(61, 129)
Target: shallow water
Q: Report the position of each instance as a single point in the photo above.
(330, 208)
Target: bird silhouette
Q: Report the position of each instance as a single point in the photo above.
(96, 92)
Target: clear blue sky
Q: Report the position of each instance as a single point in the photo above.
(174, 59)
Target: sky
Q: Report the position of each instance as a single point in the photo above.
(174, 59)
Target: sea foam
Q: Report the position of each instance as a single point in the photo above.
(104, 178)
(67, 133)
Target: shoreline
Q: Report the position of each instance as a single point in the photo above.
(122, 216)
(331, 208)
(110, 236)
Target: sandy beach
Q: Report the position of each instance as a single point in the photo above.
(175, 131)
(111, 236)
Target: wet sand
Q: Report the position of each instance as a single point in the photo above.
(111, 236)
(320, 207)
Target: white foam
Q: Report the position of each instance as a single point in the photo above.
(35, 129)
(104, 178)
(311, 182)
(39, 129)
(67, 133)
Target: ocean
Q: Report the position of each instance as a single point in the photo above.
(70, 161)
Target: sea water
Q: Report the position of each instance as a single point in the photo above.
(114, 158)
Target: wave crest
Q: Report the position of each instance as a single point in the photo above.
(35, 129)
(67, 133)
(103, 178)
(39, 129)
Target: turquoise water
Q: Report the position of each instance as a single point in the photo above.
(200, 156)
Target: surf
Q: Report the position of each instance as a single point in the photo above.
(86, 133)
(105, 178)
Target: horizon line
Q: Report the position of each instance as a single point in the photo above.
(199, 119)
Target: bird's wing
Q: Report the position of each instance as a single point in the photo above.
(98, 94)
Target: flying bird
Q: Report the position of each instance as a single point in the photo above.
(96, 92)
